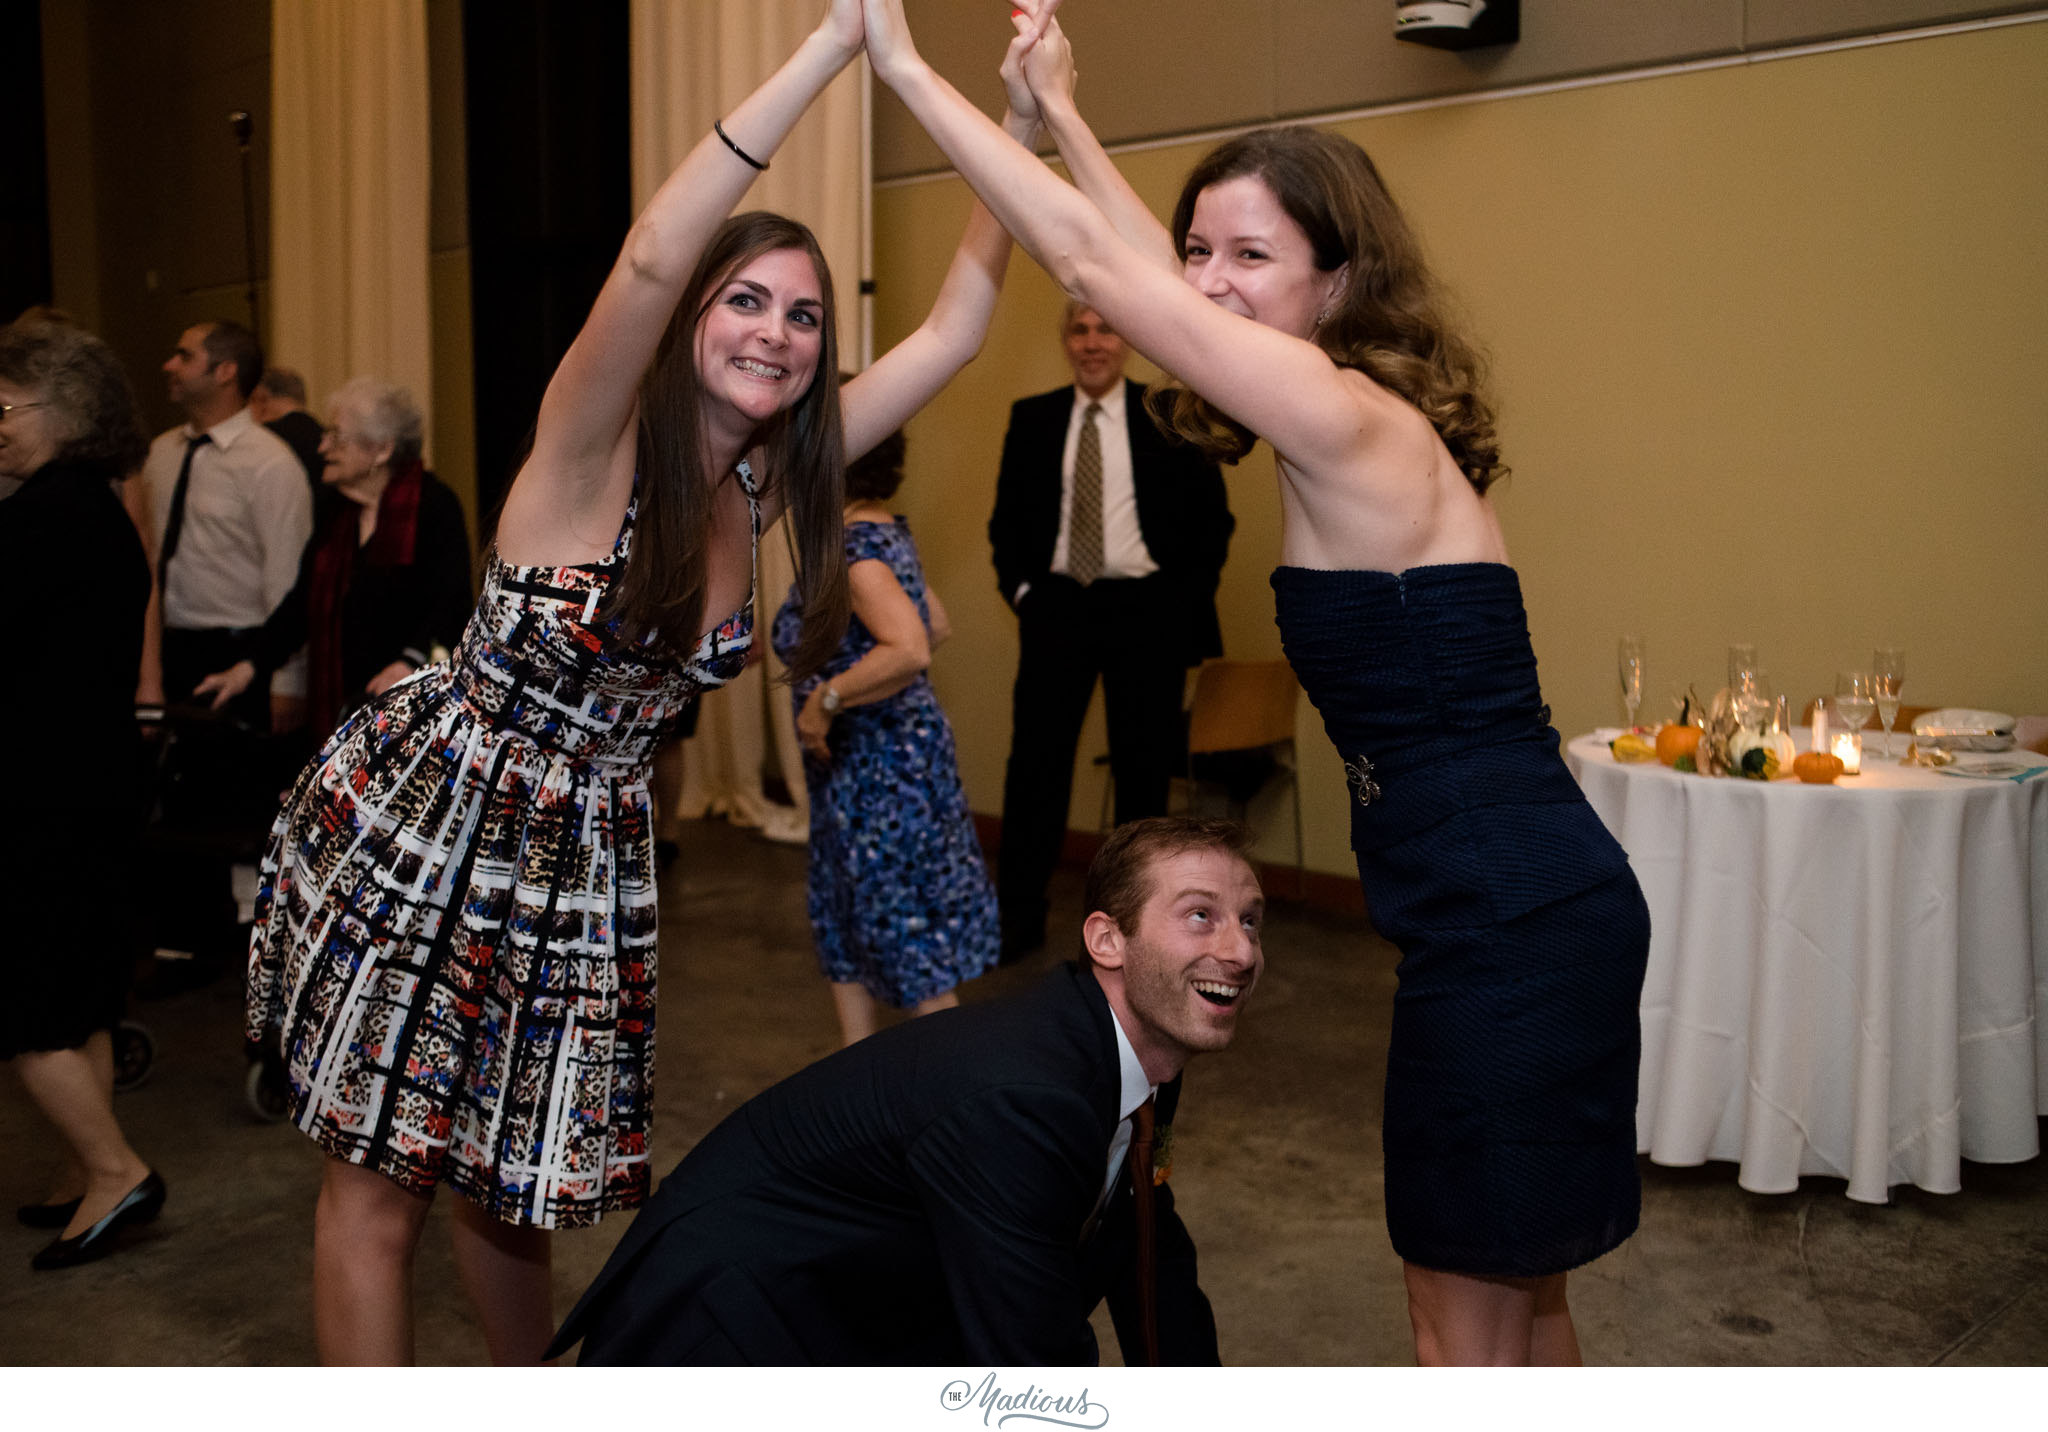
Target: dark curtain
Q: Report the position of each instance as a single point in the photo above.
(24, 187)
(550, 198)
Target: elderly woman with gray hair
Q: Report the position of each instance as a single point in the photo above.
(75, 584)
(384, 585)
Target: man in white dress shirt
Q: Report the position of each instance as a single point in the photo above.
(230, 511)
(1109, 539)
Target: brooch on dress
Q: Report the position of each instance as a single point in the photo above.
(1358, 771)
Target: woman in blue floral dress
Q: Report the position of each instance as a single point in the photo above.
(900, 900)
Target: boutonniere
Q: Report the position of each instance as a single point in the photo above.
(1162, 1154)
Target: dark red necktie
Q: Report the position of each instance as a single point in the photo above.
(1148, 1257)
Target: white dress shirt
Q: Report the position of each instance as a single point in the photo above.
(1124, 553)
(247, 516)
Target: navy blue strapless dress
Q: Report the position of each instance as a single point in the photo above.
(1511, 1077)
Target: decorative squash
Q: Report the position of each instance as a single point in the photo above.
(1817, 768)
(1678, 742)
(1781, 742)
(1631, 749)
(1760, 755)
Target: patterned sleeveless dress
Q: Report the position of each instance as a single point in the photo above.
(454, 944)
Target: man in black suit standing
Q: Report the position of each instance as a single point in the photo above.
(1109, 539)
(278, 401)
(957, 1188)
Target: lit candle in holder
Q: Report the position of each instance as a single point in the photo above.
(1848, 749)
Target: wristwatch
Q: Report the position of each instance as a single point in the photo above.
(830, 701)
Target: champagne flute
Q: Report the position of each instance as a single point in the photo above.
(1887, 675)
(1853, 702)
(1629, 663)
(1743, 689)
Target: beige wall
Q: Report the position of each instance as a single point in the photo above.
(1153, 68)
(1769, 360)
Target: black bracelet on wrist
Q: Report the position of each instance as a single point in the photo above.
(718, 128)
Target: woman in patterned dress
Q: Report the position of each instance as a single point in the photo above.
(900, 901)
(454, 944)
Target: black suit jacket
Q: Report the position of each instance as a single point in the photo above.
(302, 432)
(1183, 510)
(922, 1197)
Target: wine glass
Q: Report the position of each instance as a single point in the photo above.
(1743, 688)
(1629, 662)
(1887, 675)
(1853, 701)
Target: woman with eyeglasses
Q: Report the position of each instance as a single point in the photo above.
(383, 587)
(74, 583)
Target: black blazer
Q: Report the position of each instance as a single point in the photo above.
(921, 1197)
(1183, 510)
(301, 432)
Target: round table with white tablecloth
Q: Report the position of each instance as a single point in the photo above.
(1849, 980)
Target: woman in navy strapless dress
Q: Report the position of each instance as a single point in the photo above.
(1293, 304)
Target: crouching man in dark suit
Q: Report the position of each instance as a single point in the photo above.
(960, 1188)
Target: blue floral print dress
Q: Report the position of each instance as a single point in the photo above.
(900, 899)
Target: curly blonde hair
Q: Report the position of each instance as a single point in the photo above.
(1389, 321)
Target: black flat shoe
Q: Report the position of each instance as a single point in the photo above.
(47, 1215)
(142, 1203)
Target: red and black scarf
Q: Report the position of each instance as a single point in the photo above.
(334, 563)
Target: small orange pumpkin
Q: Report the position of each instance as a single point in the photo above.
(1676, 741)
(1817, 768)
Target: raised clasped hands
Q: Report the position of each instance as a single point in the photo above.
(890, 48)
(1047, 63)
(893, 53)
(842, 25)
(1016, 88)
(1038, 66)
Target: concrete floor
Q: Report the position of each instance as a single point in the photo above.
(1277, 1173)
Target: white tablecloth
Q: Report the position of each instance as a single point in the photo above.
(1848, 980)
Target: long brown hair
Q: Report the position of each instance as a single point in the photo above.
(803, 457)
(1389, 322)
